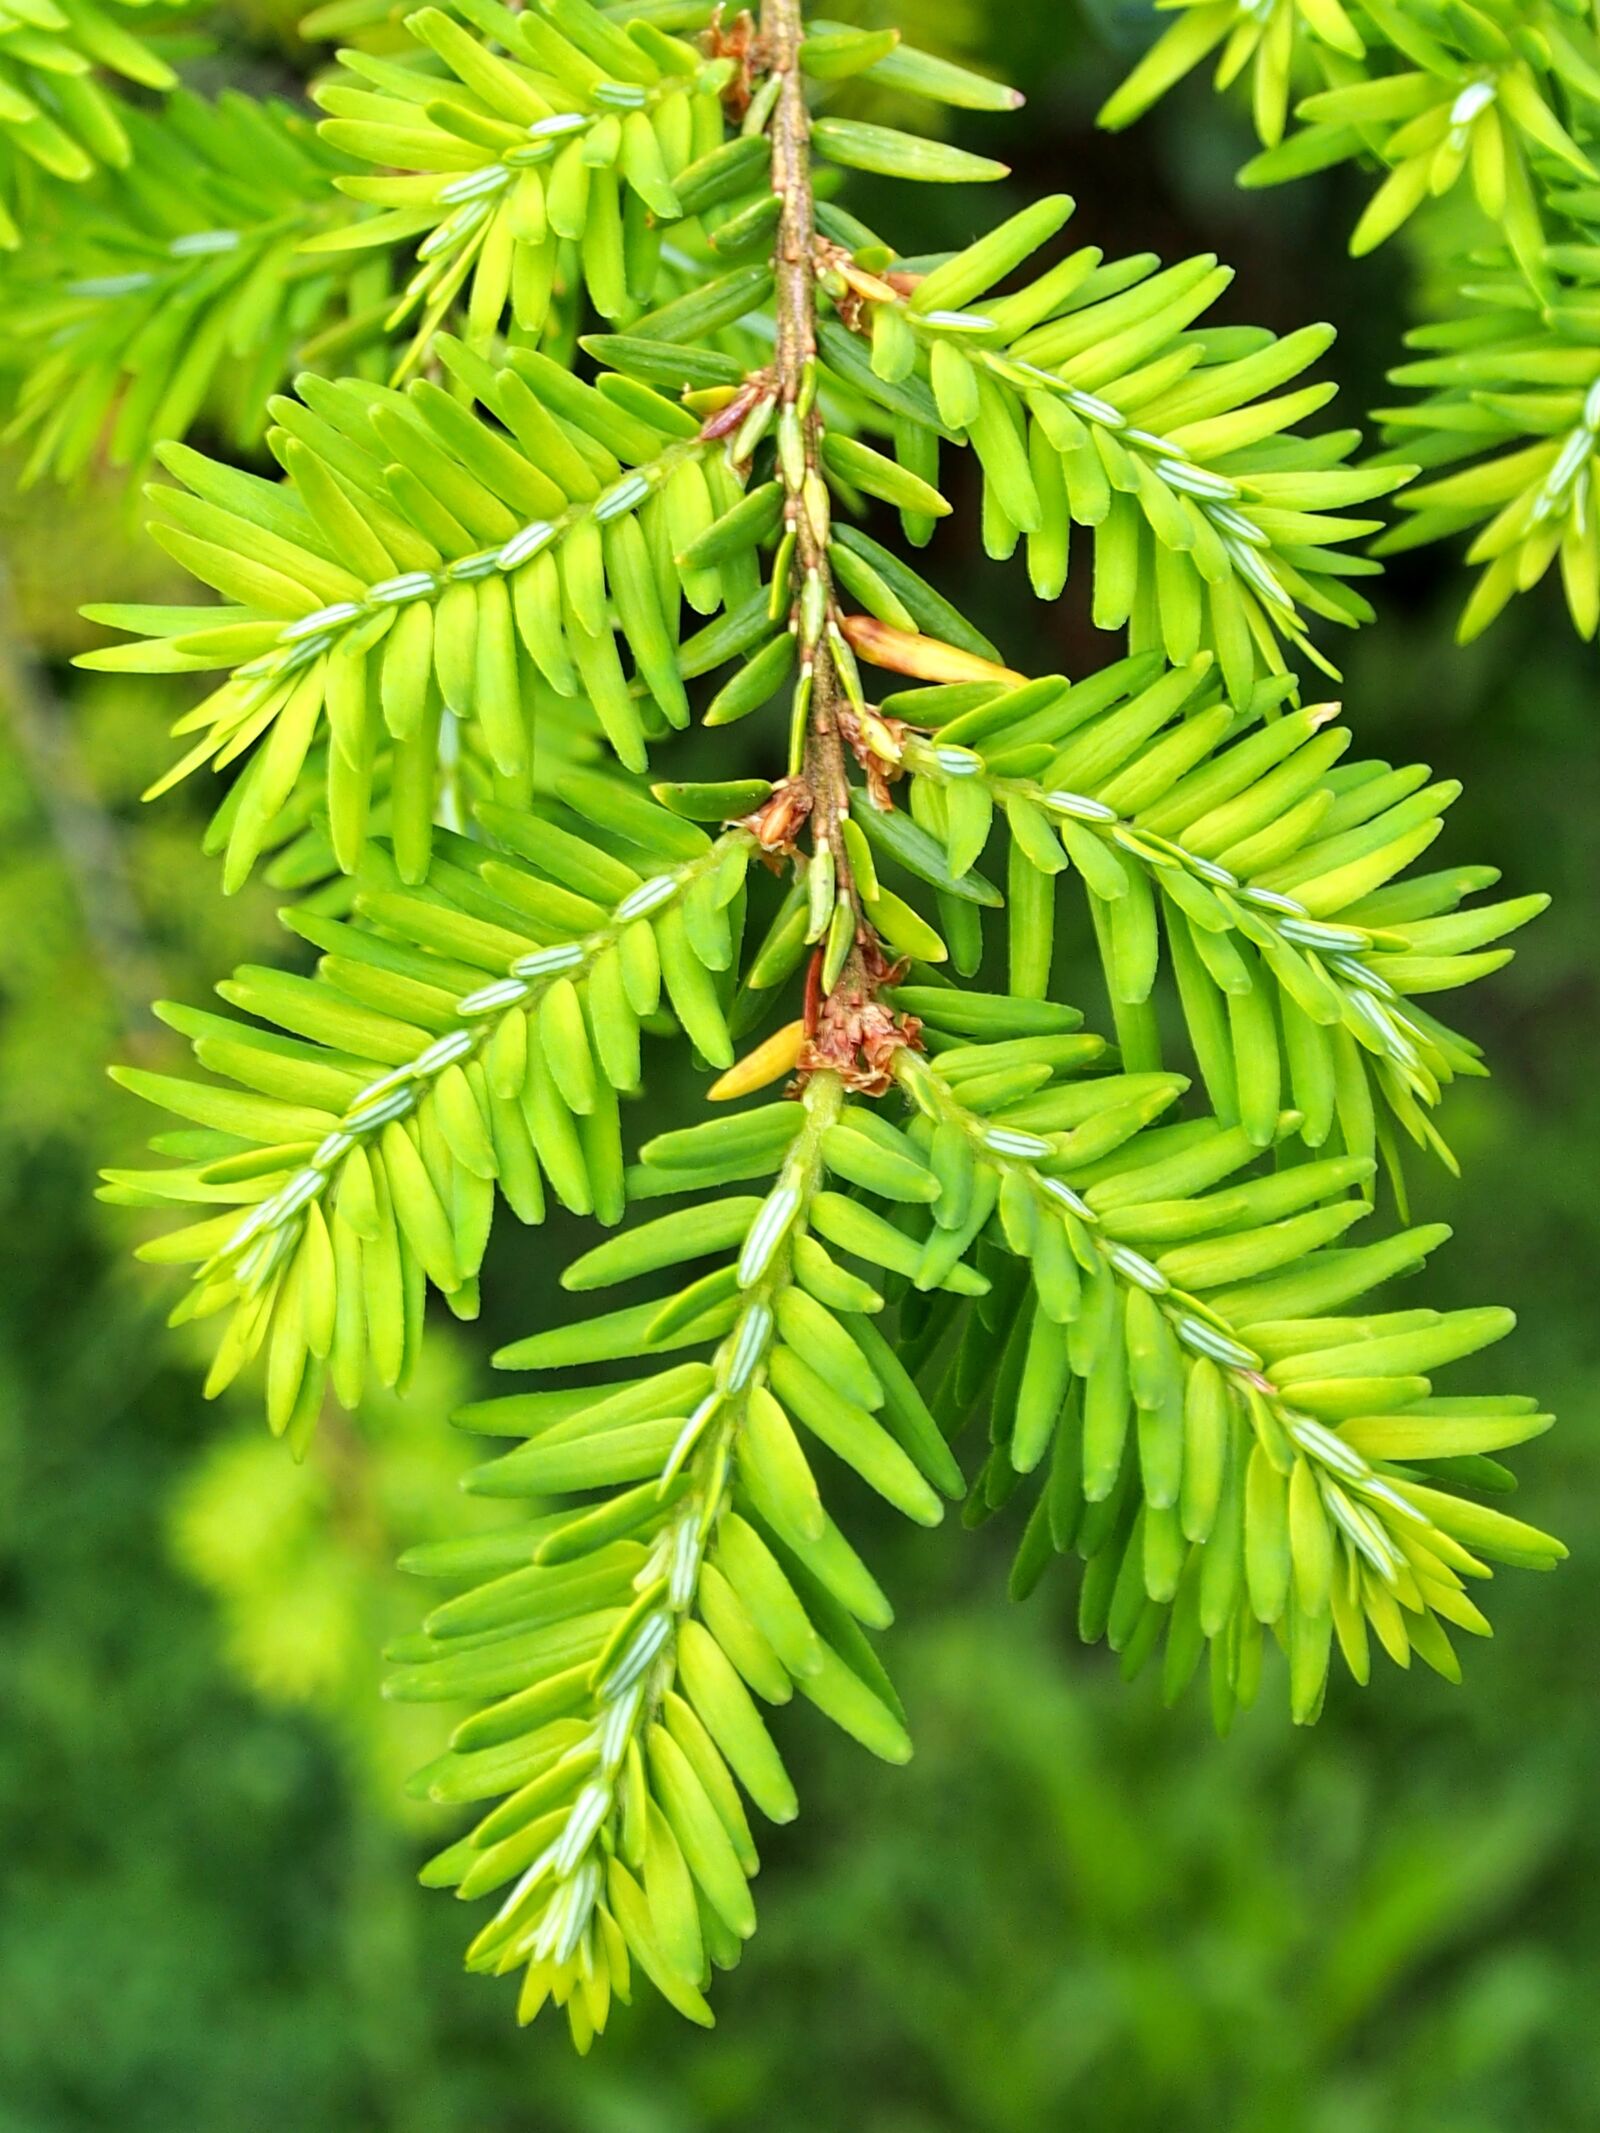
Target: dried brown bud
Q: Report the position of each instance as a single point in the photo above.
(776, 822)
(852, 1033)
(740, 42)
(877, 743)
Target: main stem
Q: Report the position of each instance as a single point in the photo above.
(824, 757)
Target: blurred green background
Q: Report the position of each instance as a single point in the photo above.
(1074, 1908)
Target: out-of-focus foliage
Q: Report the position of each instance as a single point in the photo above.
(148, 299)
(1073, 1907)
(299, 1561)
(60, 118)
(1502, 410)
(1490, 105)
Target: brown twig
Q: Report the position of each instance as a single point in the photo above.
(806, 507)
(849, 1018)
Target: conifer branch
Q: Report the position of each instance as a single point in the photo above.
(358, 1185)
(424, 562)
(425, 692)
(587, 1849)
(1216, 1475)
(1270, 866)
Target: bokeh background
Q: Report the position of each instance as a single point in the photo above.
(1074, 1908)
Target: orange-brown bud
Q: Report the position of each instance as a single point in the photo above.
(923, 658)
(774, 1057)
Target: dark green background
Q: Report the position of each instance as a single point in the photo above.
(1073, 1909)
